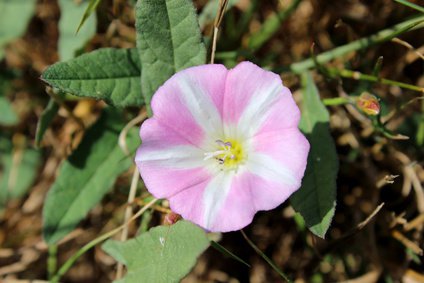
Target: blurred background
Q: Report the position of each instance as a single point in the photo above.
(374, 168)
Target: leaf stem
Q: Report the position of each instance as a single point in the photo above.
(267, 259)
(70, 262)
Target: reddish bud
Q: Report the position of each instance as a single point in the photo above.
(171, 218)
(368, 103)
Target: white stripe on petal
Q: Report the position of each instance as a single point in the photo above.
(178, 157)
(257, 109)
(215, 195)
(266, 167)
(200, 105)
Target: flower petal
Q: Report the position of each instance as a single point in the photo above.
(250, 93)
(238, 210)
(283, 114)
(158, 136)
(285, 151)
(168, 162)
(203, 202)
(264, 194)
(214, 197)
(191, 100)
(248, 194)
(268, 168)
(188, 203)
(164, 182)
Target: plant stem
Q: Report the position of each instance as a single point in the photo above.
(70, 262)
(214, 40)
(411, 5)
(128, 214)
(379, 37)
(420, 131)
(218, 19)
(122, 140)
(364, 77)
(267, 259)
(52, 260)
(337, 101)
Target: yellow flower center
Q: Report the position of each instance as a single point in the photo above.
(230, 154)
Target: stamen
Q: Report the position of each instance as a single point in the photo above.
(223, 154)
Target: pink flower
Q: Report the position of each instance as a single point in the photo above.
(222, 144)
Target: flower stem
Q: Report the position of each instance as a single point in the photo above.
(337, 101)
(379, 37)
(70, 262)
(267, 259)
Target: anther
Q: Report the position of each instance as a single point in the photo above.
(221, 155)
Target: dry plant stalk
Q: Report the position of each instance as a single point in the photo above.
(219, 16)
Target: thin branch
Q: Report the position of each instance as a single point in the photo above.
(409, 46)
(122, 141)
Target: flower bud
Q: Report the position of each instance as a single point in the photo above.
(368, 104)
(171, 218)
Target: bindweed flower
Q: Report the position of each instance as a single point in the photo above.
(368, 103)
(222, 145)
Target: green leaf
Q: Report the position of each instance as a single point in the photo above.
(18, 170)
(92, 6)
(69, 42)
(87, 175)
(164, 254)
(8, 116)
(108, 73)
(316, 199)
(272, 25)
(45, 120)
(168, 40)
(14, 17)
